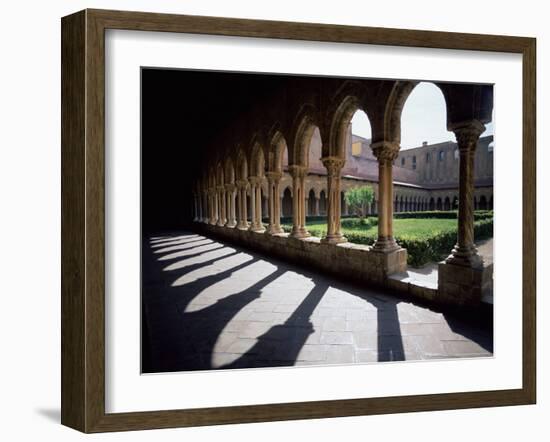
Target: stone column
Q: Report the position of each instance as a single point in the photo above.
(334, 234)
(194, 209)
(274, 201)
(213, 207)
(222, 219)
(385, 152)
(204, 196)
(230, 205)
(465, 252)
(242, 223)
(256, 204)
(298, 174)
(201, 207)
(317, 206)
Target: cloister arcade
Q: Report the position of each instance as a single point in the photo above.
(259, 169)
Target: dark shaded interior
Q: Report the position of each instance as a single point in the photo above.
(183, 111)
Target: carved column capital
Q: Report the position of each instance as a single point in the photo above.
(297, 171)
(254, 180)
(221, 188)
(241, 184)
(273, 176)
(333, 164)
(385, 150)
(230, 187)
(467, 134)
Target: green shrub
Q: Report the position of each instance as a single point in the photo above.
(421, 248)
(443, 214)
(354, 223)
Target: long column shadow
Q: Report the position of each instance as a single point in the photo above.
(190, 345)
(390, 341)
(281, 344)
(189, 268)
(189, 253)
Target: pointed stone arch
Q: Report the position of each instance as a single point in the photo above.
(303, 127)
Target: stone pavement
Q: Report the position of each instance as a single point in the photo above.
(208, 305)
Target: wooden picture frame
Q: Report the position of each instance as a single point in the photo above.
(83, 220)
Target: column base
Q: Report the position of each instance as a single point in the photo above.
(334, 239)
(231, 224)
(220, 223)
(274, 230)
(299, 233)
(257, 228)
(465, 257)
(385, 245)
(461, 285)
(242, 225)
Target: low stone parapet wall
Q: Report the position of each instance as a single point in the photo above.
(353, 262)
(361, 264)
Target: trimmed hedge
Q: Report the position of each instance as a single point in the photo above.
(447, 214)
(421, 249)
(364, 223)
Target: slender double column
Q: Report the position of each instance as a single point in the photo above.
(230, 205)
(205, 207)
(222, 217)
(256, 204)
(385, 152)
(195, 207)
(334, 167)
(213, 206)
(242, 222)
(298, 174)
(199, 207)
(274, 202)
(465, 252)
(317, 206)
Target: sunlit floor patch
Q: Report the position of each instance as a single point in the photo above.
(183, 246)
(200, 259)
(191, 251)
(239, 281)
(224, 265)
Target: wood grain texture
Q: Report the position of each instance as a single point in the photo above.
(73, 258)
(83, 219)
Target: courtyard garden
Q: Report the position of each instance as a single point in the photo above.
(427, 236)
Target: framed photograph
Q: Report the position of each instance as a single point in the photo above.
(271, 220)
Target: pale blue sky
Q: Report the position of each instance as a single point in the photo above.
(423, 119)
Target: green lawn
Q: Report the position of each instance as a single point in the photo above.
(410, 227)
